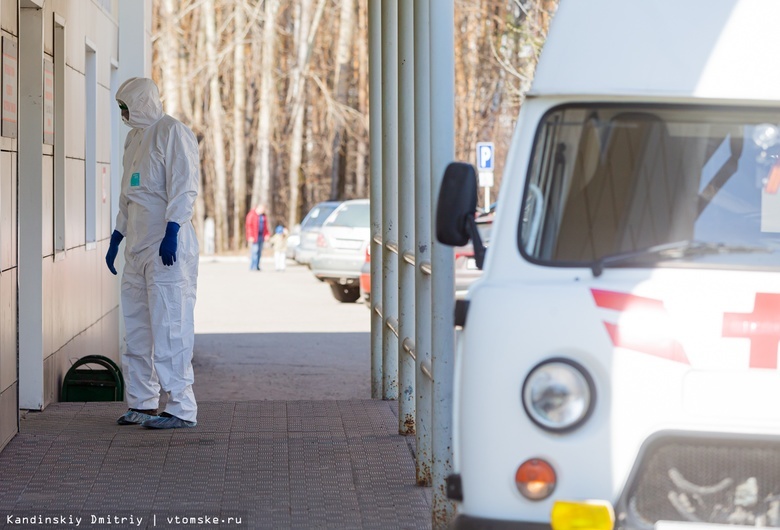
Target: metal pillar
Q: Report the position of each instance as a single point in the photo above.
(422, 247)
(375, 191)
(390, 197)
(442, 16)
(406, 324)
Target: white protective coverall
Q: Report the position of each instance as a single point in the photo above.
(159, 184)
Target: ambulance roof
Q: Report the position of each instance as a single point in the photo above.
(677, 48)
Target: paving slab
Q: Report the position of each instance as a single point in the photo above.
(287, 434)
(251, 464)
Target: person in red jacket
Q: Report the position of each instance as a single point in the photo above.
(257, 233)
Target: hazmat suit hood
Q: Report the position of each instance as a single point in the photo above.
(142, 99)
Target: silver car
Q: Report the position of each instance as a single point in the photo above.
(466, 271)
(306, 246)
(341, 245)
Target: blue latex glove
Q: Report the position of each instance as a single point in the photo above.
(113, 249)
(169, 243)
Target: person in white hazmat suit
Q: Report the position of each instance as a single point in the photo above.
(159, 187)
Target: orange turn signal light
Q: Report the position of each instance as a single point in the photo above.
(535, 479)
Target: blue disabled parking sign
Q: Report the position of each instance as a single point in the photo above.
(485, 156)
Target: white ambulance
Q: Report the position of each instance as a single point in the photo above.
(618, 363)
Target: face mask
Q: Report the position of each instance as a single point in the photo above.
(124, 110)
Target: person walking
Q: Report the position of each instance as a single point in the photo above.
(278, 242)
(257, 233)
(159, 188)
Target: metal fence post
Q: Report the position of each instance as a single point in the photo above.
(406, 367)
(375, 191)
(390, 197)
(422, 247)
(442, 36)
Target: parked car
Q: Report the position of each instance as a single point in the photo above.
(365, 278)
(306, 247)
(341, 247)
(293, 240)
(466, 270)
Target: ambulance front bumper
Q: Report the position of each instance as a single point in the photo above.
(467, 522)
(687, 481)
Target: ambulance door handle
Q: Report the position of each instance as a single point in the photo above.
(461, 310)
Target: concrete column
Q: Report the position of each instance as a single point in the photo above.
(422, 247)
(442, 16)
(135, 34)
(406, 365)
(30, 134)
(375, 190)
(390, 197)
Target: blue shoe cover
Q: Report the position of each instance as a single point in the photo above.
(133, 417)
(167, 421)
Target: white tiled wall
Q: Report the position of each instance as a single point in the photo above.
(8, 286)
(8, 217)
(80, 298)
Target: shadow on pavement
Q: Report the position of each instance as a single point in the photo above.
(282, 366)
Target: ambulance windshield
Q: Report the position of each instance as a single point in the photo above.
(612, 184)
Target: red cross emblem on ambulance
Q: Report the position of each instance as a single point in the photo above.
(761, 327)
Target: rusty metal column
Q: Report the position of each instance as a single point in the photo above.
(422, 247)
(390, 197)
(406, 365)
(375, 192)
(442, 37)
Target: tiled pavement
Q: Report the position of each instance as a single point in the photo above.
(269, 464)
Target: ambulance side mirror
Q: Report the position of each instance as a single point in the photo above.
(456, 208)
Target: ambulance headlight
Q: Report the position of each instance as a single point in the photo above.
(558, 395)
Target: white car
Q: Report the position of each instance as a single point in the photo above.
(306, 246)
(341, 249)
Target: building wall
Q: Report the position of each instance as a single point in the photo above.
(80, 305)
(80, 296)
(8, 260)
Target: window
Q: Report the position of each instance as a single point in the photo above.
(317, 215)
(59, 135)
(90, 145)
(700, 183)
(352, 216)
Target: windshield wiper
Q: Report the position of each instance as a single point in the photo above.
(675, 250)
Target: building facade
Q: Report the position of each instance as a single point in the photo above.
(61, 141)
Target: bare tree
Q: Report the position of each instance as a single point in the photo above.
(169, 57)
(216, 127)
(340, 87)
(312, 143)
(261, 186)
(306, 33)
(239, 131)
(361, 157)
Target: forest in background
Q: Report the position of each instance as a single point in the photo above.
(277, 94)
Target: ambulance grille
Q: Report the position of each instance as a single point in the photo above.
(720, 481)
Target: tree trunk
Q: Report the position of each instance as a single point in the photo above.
(169, 57)
(192, 112)
(361, 186)
(262, 182)
(340, 88)
(216, 128)
(307, 34)
(239, 132)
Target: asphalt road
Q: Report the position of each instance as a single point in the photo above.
(276, 336)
